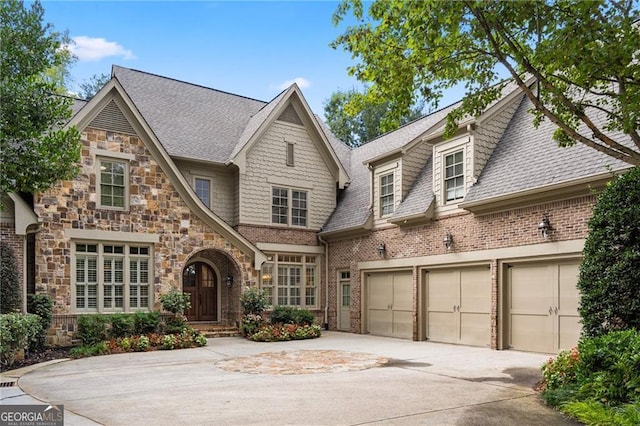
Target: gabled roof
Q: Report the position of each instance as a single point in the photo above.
(527, 158)
(190, 121)
(420, 200)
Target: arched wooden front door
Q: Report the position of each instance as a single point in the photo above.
(200, 281)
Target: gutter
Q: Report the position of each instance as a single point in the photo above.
(326, 282)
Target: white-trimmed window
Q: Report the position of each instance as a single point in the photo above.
(284, 212)
(294, 284)
(386, 194)
(345, 287)
(454, 176)
(113, 185)
(202, 187)
(112, 277)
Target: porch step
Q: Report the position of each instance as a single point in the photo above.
(211, 330)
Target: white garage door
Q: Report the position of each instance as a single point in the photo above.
(390, 304)
(459, 306)
(543, 306)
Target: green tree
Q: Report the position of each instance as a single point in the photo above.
(609, 280)
(583, 55)
(92, 85)
(10, 297)
(36, 150)
(355, 120)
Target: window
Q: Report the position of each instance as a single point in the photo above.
(386, 194)
(113, 183)
(345, 285)
(290, 154)
(203, 190)
(112, 277)
(295, 283)
(454, 176)
(284, 213)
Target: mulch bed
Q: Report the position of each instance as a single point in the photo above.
(32, 358)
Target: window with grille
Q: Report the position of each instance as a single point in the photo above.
(296, 281)
(454, 176)
(112, 277)
(203, 190)
(386, 194)
(289, 206)
(113, 184)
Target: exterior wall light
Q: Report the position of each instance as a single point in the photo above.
(448, 241)
(229, 280)
(544, 227)
(381, 249)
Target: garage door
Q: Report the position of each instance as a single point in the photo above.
(459, 306)
(390, 304)
(543, 306)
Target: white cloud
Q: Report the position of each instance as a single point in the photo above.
(96, 48)
(300, 81)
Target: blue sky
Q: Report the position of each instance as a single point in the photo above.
(250, 48)
(253, 49)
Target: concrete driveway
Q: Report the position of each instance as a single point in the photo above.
(338, 379)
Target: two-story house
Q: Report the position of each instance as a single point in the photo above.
(475, 239)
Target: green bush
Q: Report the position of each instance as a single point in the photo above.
(290, 315)
(92, 329)
(83, 351)
(17, 332)
(250, 324)
(41, 305)
(253, 301)
(283, 332)
(175, 325)
(146, 322)
(122, 325)
(10, 296)
(609, 368)
(609, 280)
(176, 302)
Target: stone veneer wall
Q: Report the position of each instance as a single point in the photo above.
(155, 207)
(517, 227)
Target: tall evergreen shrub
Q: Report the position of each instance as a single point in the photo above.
(609, 280)
(10, 298)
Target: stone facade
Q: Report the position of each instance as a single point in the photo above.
(155, 208)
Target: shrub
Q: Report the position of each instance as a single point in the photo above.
(122, 325)
(176, 302)
(17, 332)
(41, 305)
(609, 280)
(561, 370)
(290, 315)
(609, 368)
(146, 322)
(284, 332)
(10, 299)
(253, 301)
(175, 325)
(92, 329)
(250, 324)
(89, 350)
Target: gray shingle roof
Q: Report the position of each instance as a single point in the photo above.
(190, 121)
(527, 158)
(353, 208)
(420, 197)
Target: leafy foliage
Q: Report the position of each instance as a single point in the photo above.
(253, 301)
(17, 333)
(609, 280)
(599, 382)
(36, 150)
(176, 302)
(41, 305)
(146, 322)
(251, 323)
(583, 56)
(92, 329)
(291, 315)
(122, 325)
(90, 87)
(10, 297)
(355, 120)
(284, 332)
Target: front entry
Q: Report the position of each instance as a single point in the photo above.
(201, 282)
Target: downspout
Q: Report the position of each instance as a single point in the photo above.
(326, 282)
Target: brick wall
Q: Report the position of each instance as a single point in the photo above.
(511, 228)
(16, 242)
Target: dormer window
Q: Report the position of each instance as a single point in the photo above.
(454, 176)
(386, 194)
